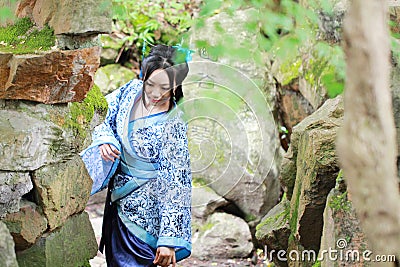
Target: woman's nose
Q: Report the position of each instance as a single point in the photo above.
(156, 93)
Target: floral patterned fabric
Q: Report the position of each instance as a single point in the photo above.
(153, 188)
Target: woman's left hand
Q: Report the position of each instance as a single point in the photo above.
(165, 256)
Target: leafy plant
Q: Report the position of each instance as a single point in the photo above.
(151, 21)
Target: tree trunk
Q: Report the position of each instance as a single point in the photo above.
(366, 143)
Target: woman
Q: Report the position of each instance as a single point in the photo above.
(141, 152)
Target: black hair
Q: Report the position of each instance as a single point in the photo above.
(166, 58)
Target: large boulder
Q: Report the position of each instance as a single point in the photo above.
(26, 225)
(232, 133)
(222, 236)
(73, 244)
(314, 160)
(66, 77)
(62, 189)
(13, 185)
(7, 253)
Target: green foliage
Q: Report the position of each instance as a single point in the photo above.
(153, 21)
(287, 31)
(24, 38)
(82, 113)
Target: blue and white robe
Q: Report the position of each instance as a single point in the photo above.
(152, 188)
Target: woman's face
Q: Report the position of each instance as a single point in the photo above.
(157, 89)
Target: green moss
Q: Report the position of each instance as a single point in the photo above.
(290, 71)
(82, 113)
(340, 202)
(283, 217)
(23, 38)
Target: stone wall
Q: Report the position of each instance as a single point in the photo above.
(44, 186)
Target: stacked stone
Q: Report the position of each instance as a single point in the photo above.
(317, 213)
(44, 186)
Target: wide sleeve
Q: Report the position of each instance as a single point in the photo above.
(100, 170)
(175, 185)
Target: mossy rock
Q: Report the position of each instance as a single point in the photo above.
(82, 113)
(72, 245)
(23, 37)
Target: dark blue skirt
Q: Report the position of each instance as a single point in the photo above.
(122, 248)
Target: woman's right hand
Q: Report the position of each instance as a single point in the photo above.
(109, 152)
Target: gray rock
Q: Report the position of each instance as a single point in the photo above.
(13, 185)
(273, 231)
(222, 236)
(7, 253)
(68, 42)
(26, 225)
(73, 17)
(205, 201)
(62, 189)
(29, 143)
(73, 244)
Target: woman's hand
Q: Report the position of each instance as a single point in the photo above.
(165, 256)
(109, 152)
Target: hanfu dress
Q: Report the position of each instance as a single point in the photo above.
(149, 187)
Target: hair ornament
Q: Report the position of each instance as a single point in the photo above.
(188, 53)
